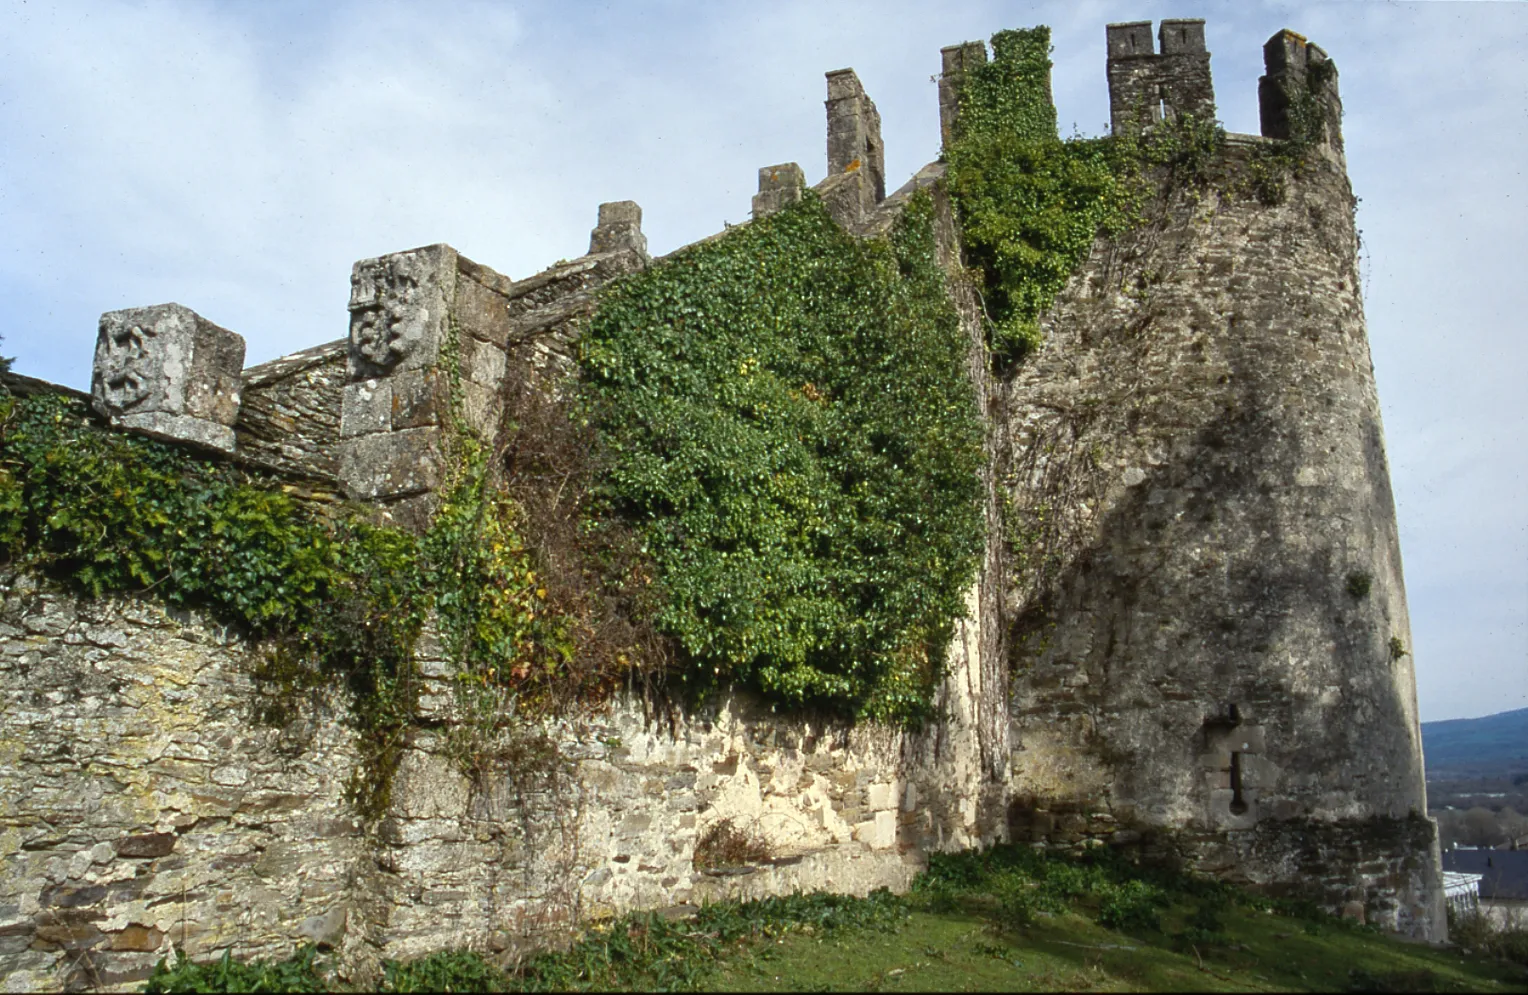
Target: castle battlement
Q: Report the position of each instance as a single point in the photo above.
(1147, 86)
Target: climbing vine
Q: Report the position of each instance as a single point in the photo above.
(335, 598)
(1030, 204)
(788, 425)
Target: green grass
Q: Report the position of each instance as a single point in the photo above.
(963, 951)
(1003, 920)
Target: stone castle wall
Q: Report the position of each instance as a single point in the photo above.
(1164, 650)
(152, 795)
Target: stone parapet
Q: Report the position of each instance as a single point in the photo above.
(290, 416)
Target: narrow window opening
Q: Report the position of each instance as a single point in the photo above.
(1162, 109)
(1238, 803)
(1233, 713)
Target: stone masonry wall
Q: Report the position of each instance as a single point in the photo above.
(1198, 488)
(290, 416)
(1187, 483)
(151, 796)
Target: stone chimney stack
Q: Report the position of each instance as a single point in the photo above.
(856, 180)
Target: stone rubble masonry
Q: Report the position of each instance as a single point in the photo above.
(956, 61)
(1197, 467)
(290, 418)
(153, 795)
(1160, 652)
(168, 372)
(779, 187)
(1144, 84)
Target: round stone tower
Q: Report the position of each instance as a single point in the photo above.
(1212, 656)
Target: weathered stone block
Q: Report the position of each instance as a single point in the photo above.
(620, 227)
(167, 371)
(480, 311)
(482, 363)
(779, 186)
(140, 938)
(418, 398)
(146, 845)
(366, 407)
(391, 464)
(399, 310)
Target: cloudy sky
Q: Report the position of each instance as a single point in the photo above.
(237, 157)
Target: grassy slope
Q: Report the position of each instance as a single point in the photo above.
(962, 951)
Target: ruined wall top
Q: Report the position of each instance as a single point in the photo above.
(170, 372)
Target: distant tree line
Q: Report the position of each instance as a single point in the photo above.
(1480, 827)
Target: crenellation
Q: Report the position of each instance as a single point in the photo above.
(856, 180)
(1188, 681)
(1182, 36)
(1298, 97)
(1129, 39)
(779, 187)
(1147, 86)
(619, 229)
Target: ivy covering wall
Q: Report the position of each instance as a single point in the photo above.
(788, 424)
(1031, 204)
(335, 599)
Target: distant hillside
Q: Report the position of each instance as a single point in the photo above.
(1493, 743)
